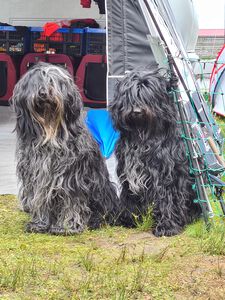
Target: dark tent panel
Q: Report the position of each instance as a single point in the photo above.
(128, 43)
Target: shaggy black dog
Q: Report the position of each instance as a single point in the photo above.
(152, 165)
(64, 183)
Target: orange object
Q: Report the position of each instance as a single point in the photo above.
(50, 28)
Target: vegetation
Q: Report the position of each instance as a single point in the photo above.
(110, 263)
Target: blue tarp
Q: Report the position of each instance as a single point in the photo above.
(100, 125)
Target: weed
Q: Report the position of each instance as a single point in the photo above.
(86, 261)
(210, 241)
(122, 256)
(146, 221)
(219, 268)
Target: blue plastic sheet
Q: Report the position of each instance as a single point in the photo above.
(100, 125)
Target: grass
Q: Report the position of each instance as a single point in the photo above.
(146, 222)
(211, 241)
(221, 122)
(110, 263)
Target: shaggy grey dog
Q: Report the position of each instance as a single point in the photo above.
(64, 183)
(152, 165)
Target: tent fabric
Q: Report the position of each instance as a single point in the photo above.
(3, 78)
(80, 79)
(8, 78)
(219, 99)
(128, 44)
(217, 69)
(100, 125)
(217, 83)
(95, 86)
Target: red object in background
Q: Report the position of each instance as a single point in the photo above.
(211, 32)
(10, 79)
(49, 34)
(80, 78)
(59, 59)
(50, 28)
(41, 47)
(85, 3)
(82, 23)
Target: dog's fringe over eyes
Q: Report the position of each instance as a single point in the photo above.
(64, 183)
(152, 163)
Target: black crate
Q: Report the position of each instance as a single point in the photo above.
(95, 41)
(63, 41)
(13, 41)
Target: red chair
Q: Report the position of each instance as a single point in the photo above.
(7, 78)
(59, 59)
(91, 80)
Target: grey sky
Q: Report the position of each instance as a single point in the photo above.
(210, 13)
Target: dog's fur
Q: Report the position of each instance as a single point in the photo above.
(152, 165)
(64, 181)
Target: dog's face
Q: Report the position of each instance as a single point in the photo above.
(138, 117)
(142, 102)
(46, 102)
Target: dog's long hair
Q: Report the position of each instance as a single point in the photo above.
(64, 183)
(152, 162)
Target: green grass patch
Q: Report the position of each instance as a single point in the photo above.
(221, 122)
(212, 240)
(145, 222)
(110, 263)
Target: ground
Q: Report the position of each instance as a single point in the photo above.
(110, 263)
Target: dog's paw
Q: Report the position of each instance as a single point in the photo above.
(162, 231)
(26, 209)
(56, 230)
(37, 227)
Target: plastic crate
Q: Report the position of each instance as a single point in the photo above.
(63, 41)
(95, 41)
(13, 41)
